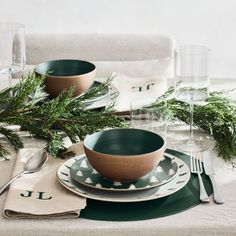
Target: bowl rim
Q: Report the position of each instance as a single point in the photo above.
(118, 156)
(63, 76)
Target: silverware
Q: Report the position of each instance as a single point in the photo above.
(209, 170)
(32, 165)
(196, 168)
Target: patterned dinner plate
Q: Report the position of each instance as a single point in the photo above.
(82, 172)
(182, 178)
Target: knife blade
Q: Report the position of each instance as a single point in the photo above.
(209, 170)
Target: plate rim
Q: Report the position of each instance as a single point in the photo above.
(81, 193)
(124, 190)
(104, 102)
(88, 102)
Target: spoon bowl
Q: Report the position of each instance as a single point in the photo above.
(35, 163)
(32, 165)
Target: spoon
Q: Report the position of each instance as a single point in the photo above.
(32, 165)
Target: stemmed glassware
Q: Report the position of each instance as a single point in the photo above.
(192, 85)
(12, 51)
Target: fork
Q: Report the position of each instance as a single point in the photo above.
(196, 168)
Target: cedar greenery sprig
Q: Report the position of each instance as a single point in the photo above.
(27, 105)
(216, 116)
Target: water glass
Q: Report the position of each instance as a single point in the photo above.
(12, 48)
(144, 116)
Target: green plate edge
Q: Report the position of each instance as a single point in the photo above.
(184, 199)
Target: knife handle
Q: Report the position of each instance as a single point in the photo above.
(216, 193)
(203, 194)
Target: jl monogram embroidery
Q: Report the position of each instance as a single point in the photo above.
(143, 87)
(38, 195)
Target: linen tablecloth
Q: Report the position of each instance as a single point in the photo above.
(204, 219)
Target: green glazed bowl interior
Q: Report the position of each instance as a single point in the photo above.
(124, 142)
(65, 68)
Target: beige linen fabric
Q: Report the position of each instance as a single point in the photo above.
(40, 195)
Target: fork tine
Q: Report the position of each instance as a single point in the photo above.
(197, 163)
(198, 159)
(194, 164)
(200, 162)
(196, 168)
(191, 162)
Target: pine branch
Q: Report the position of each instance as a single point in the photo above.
(217, 117)
(12, 137)
(17, 97)
(28, 105)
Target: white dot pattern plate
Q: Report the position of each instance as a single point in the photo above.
(182, 178)
(82, 172)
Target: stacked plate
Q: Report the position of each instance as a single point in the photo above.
(101, 100)
(168, 177)
(99, 97)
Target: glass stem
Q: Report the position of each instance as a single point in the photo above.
(9, 80)
(191, 109)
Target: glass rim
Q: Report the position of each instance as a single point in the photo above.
(192, 49)
(141, 101)
(11, 26)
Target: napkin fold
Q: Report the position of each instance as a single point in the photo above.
(39, 195)
(131, 88)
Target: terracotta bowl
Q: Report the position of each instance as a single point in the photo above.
(124, 154)
(63, 74)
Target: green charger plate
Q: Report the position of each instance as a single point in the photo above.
(182, 200)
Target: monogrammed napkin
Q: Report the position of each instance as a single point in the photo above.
(40, 195)
(131, 88)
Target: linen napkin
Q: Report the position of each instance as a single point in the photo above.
(40, 195)
(131, 88)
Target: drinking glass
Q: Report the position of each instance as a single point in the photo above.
(12, 50)
(148, 118)
(192, 85)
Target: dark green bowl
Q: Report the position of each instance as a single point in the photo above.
(124, 154)
(63, 74)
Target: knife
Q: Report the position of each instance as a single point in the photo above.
(208, 167)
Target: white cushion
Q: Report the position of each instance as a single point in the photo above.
(97, 47)
(144, 68)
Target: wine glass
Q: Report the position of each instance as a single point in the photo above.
(192, 85)
(12, 50)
